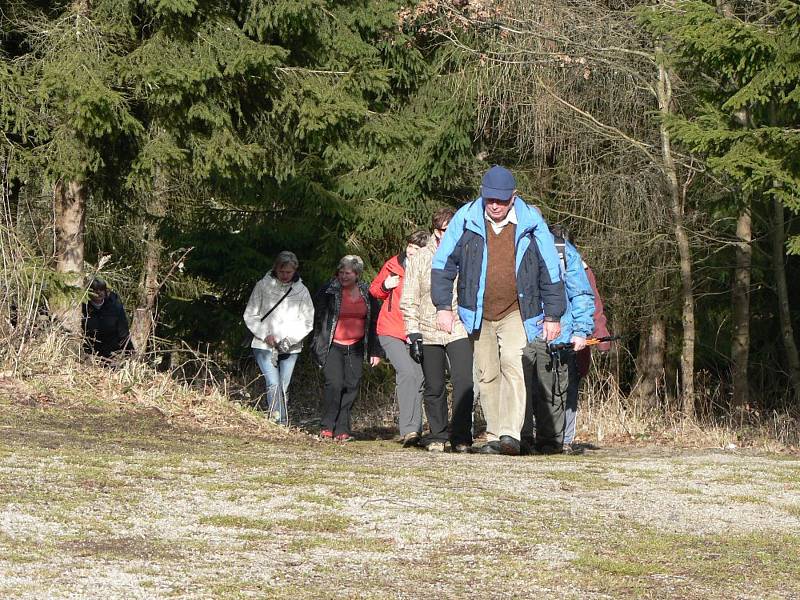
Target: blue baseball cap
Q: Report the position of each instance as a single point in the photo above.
(498, 183)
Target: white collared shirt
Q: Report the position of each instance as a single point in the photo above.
(511, 217)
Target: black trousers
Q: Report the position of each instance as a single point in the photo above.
(455, 357)
(342, 371)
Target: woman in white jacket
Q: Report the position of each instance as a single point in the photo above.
(279, 314)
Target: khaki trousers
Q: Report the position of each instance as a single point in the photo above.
(501, 380)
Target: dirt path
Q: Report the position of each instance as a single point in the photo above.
(115, 506)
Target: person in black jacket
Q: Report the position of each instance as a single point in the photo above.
(105, 324)
(345, 336)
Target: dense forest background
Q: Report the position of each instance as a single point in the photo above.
(175, 146)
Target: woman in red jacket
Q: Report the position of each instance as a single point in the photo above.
(388, 286)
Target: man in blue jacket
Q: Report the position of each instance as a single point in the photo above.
(552, 378)
(509, 293)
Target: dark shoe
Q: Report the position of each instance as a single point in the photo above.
(572, 449)
(410, 439)
(492, 447)
(462, 448)
(509, 446)
(550, 448)
(526, 448)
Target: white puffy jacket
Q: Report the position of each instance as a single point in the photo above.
(292, 320)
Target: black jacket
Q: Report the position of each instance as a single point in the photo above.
(106, 328)
(327, 304)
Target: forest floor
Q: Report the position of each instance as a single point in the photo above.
(117, 502)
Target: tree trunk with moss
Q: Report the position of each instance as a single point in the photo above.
(144, 316)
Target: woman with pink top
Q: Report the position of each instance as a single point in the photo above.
(345, 317)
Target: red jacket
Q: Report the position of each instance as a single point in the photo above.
(390, 319)
(584, 357)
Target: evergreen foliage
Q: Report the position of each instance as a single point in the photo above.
(746, 121)
(236, 129)
(239, 128)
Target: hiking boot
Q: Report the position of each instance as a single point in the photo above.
(344, 437)
(549, 448)
(410, 439)
(572, 449)
(436, 447)
(326, 434)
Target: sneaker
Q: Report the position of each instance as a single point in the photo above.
(462, 448)
(436, 447)
(326, 434)
(410, 439)
(344, 437)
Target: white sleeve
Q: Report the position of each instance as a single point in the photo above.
(252, 318)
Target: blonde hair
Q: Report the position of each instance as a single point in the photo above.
(286, 258)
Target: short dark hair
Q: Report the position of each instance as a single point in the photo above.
(559, 231)
(419, 238)
(98, 285)
(442, 216)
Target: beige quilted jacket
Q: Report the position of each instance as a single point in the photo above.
(418, 309)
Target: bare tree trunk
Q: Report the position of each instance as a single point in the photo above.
(69, 214)
(650, 363)
(144, 315)
(787, 332)
(664, 92)
(740, 348)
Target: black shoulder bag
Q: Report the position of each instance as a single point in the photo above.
(274, 306)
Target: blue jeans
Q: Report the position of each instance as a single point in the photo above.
(282, 375)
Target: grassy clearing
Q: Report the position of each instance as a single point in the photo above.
(655, 561)
(102, 502)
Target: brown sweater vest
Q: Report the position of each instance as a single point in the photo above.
(500, 294)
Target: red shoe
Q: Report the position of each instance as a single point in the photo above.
(326, 434)
(344, 437)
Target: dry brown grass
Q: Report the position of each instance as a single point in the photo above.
(607, 416)
(47, 373)
(44, 371)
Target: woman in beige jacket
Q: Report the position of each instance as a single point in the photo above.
(438, 351)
